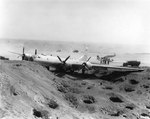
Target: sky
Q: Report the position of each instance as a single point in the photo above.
(125, 22)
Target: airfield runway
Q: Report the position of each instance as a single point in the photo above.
(29, 91)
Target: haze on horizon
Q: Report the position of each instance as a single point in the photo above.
(124, 22)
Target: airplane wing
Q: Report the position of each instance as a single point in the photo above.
(15, 53)
(115, 68)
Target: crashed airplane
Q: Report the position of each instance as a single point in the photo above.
(71, 65)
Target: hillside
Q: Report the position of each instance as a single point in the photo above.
(29, 91)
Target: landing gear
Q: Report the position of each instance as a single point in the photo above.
(83, 71)
(71, 71)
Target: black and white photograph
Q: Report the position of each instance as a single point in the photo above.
(74, 59)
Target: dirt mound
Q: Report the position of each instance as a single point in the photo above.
(30, 91)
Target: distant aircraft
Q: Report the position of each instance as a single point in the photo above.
(71, 65)
(106, 59)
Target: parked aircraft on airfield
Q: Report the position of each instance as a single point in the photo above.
(67, 64)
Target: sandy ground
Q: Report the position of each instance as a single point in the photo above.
(29, 91)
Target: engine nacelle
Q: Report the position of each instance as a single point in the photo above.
(89, 65)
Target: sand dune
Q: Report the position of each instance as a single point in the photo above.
(29, 91)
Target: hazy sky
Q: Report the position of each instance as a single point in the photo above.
(101, 21)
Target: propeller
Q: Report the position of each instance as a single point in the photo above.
(23, 50)
(60, 59)
(63, 62)
(35, 51)
(85, 66)
(67, 59)
(23, 54)
(88, 59)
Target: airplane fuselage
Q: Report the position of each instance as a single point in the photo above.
(53, 61)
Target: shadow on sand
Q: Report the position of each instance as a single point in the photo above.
(114, 76)
(75, 75)
(108, 76)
